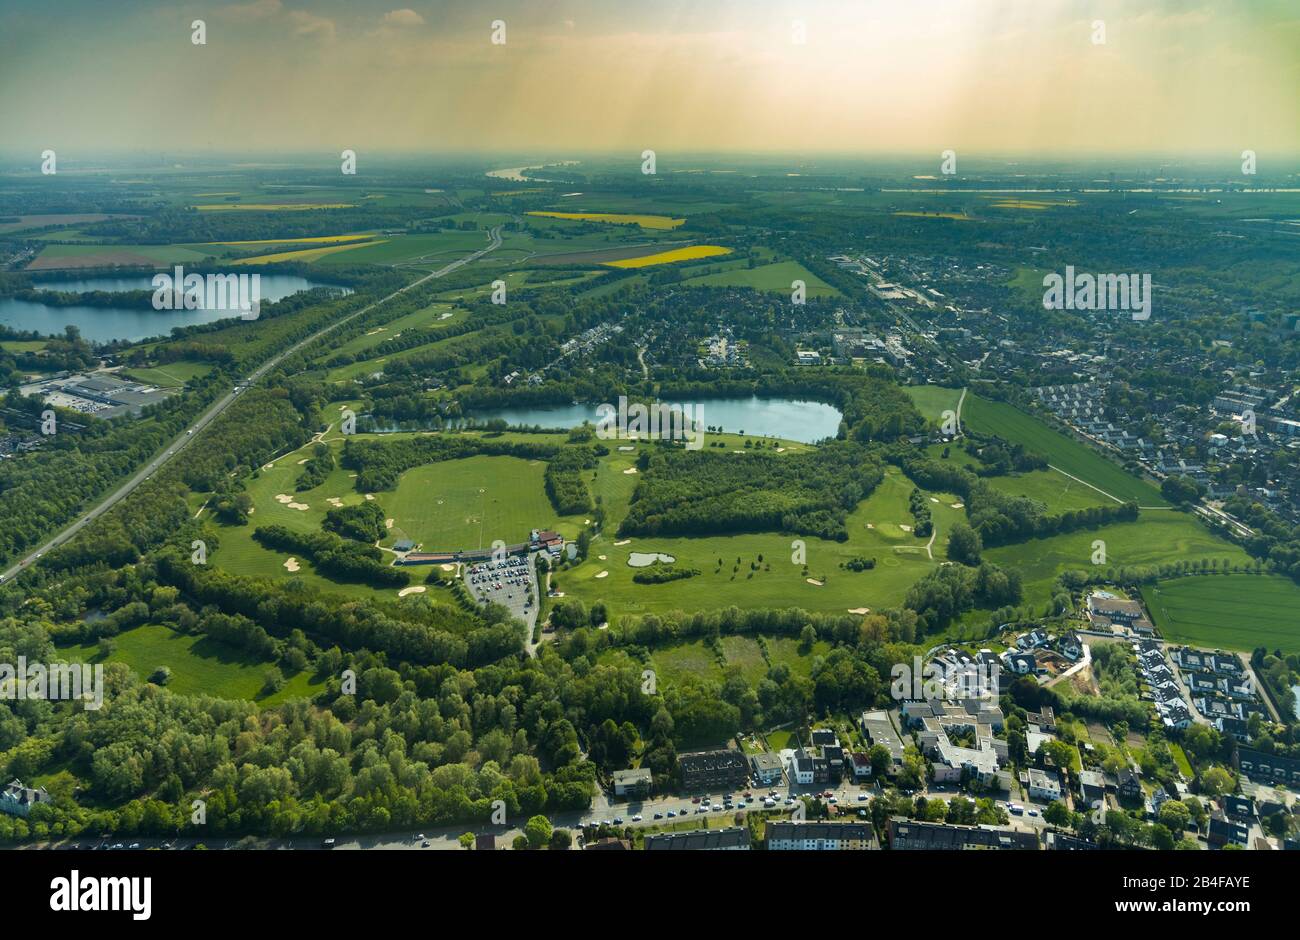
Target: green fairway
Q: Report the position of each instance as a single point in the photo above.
(1236, 611)
(199, 665)
(875, 531)
(1064, 453)
(470, 503)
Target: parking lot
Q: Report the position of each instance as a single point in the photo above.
(510, 583)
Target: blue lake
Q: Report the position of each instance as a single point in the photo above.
(103, 324)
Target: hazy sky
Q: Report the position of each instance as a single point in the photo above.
(903, 75)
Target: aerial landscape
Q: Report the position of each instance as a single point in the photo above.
(586, 427)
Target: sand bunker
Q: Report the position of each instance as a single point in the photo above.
(301, 507)
(335, 502)
(629, 470)
(388, 523)
(625, 448)
(303, 461)
(871, 525)
(780, 450)
(414, 589)
(447, 567)
(905, 528)
(292, 565)
(603, 574)
(602, 557)
(624, 542)
(268, 466)
(958, 506)
(283, 498)
(646, 559)
(370, 496)
(814, 582)
(859, 610)
(933, 500)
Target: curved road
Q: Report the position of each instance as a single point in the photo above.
(183, 439)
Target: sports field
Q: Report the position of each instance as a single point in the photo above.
(1235, 611)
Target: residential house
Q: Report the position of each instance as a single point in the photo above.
(633, 783)
(909, 834)
(766, 767)
(732, 839)
(18, 800)
(819, 836)
(711, 770)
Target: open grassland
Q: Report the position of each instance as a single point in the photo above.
(1159, 536)
(1064, 453)
(272, 206)
(615, 218)
(933, 400)
(469, 503)
(693, 253)
(955, 216)
(767, 277)
(199, 665)
(96, 256)
(695, 660)
(1235, 611)
(171, 374)
(1057, 491)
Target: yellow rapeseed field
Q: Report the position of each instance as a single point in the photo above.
(690, 253)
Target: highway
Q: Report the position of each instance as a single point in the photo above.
(214, 411)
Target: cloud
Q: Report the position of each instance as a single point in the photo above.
(256, 10)
(310, 25)
(403, 17)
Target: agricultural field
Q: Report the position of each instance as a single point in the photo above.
(54, 257)
(1235, 611)
(615, 218)
(308, 254)
(1064, 453)
(767, 277)
(693, 253)
(199, 665)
